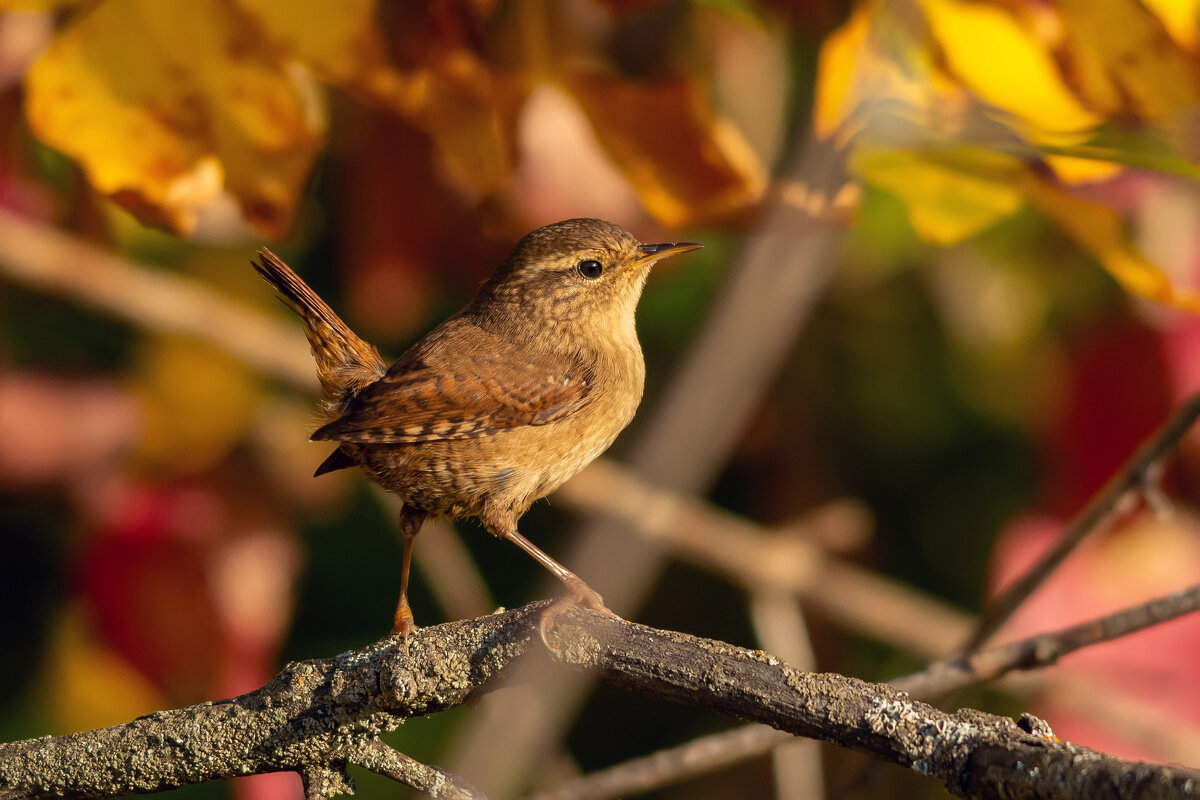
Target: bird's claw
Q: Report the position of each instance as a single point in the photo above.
(577, 595)
(403, 623)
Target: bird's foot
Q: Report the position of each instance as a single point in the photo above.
(578, 594)
(403, 622)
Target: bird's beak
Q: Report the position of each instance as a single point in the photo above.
(657, 252)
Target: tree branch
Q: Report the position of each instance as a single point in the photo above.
(715, 751)
(974, 754)
(316, 717)
(313, 718)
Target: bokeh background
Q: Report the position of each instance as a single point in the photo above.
(948, 286)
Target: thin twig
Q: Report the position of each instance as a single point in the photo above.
(1146, 460)
(702, 756)
(1045, 649)
(432, 781)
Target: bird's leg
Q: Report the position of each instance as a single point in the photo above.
(503, 524)
(411, 520)
(577, 589)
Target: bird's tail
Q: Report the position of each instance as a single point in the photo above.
(345, 363)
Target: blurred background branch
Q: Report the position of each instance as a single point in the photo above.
(1142, 473)
(46, 260)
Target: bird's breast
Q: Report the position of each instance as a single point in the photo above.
(517, 466)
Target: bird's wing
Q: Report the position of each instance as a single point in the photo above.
(443, 395)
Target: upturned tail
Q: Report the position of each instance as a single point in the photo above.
(345, 363)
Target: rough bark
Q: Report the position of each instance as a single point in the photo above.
(317, 716)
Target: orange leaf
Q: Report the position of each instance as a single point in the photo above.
(455, 96)
(1124, 63)
(470, 114)
(688, 164)
(1181, 19)
(37, 5)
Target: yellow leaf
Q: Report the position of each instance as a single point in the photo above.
(949, 197)
(197, 403)
(1071, 170)
(687, 163)
(836, 65)
(344, 48)
(1005, 64)
(163, 103)
(1100, 230)
(87, 684)
(873, 62)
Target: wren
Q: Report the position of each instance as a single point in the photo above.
(501, 403)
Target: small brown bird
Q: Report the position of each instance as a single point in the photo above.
(501, 403)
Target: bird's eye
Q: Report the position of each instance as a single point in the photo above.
(590, 269)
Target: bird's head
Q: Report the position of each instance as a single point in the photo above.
(578, 272)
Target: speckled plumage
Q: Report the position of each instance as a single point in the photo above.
(505, 400)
